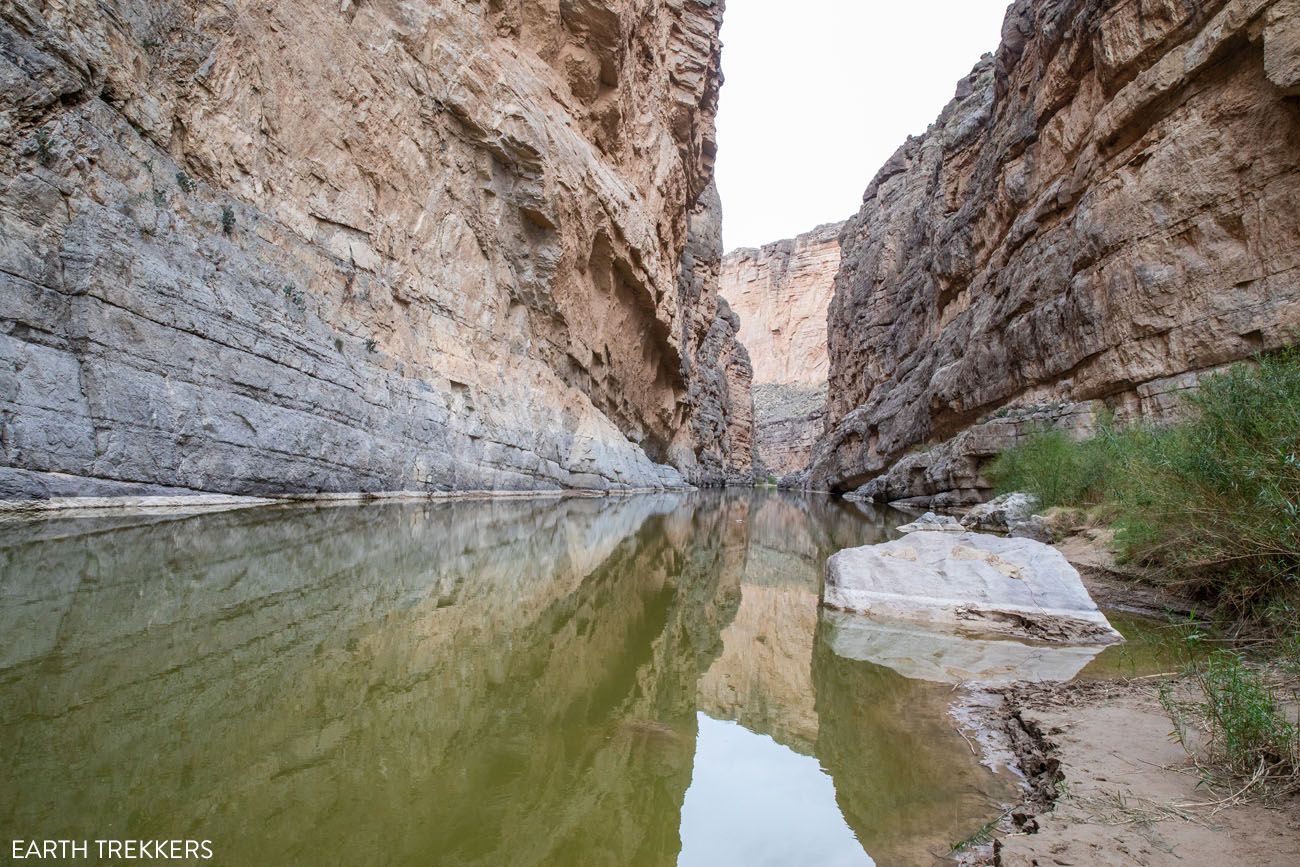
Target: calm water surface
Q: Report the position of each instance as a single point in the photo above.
(629, 681)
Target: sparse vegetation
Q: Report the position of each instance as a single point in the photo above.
(1064, 472)
(1212, 503)
(228, 220)
(186, 183)
(981, 835)
(1250, 743)
(371, 345)
(293, 295)
(159, 198)
(43, 152)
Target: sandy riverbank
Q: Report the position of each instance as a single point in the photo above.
(1107, 785)
(1105, 781)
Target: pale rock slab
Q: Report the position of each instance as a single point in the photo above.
(969, 581)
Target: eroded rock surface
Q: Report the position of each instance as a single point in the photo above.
(968, 581)
(1108, 208)
(1002, 514)
(297, 247)
(780, 292)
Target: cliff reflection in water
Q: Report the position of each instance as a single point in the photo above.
(464, 683)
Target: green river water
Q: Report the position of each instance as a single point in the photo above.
(639, 680)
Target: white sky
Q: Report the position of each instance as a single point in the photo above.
(819, 93)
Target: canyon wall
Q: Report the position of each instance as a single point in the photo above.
(1108, 208)
(368, 246)
(780, 292)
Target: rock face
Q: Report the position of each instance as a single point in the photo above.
(932, 523)
(781, 292)
(971, 581)
(1108, 208)
(299, 247)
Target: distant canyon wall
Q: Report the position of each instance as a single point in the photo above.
(300, 247)
(1108, 208)
(781, 292)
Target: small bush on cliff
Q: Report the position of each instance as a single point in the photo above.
(43, 152)
(1213, 502)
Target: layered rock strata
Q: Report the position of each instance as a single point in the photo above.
(299, 247)
(780, 292)
(1108, 208)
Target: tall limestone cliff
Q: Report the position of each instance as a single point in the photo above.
(1109, 208)
(362, 246)
(781, 291)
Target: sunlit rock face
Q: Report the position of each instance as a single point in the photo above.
(780, 292)
(394, 245)
(1109, 207)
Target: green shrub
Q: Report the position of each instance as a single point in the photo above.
(1246, 722)
(1061, 471)
(228, 220)
(1248, 733)
(1212, 502)
(1215, 501)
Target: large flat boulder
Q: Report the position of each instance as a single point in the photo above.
(969, 581)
